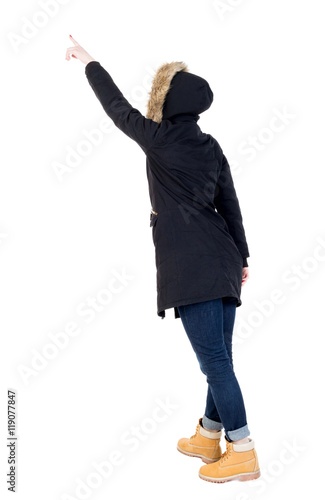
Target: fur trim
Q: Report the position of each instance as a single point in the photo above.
(160, 88)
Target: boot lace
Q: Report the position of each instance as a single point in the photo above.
(196, 432)
(226, 454)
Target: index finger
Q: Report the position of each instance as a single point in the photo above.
(73, 40)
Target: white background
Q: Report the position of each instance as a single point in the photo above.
(61, 242)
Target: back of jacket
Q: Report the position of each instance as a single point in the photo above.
(197, 227)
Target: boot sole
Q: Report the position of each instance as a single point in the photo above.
(248, 476)
(202, 457)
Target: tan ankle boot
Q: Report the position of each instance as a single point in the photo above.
(238, 462)
(204, 444)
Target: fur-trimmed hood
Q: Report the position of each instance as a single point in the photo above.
(175, 91)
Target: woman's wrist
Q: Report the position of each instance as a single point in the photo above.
(89, 60)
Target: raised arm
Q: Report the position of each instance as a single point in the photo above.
(227, 205)
(128, 119)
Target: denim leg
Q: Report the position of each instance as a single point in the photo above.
(211, 419)
(209, 327)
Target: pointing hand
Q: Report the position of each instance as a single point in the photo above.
(78, 52)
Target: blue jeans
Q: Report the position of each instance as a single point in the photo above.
(209, 327)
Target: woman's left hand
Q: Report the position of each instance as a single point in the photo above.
(245, 275)
(78, 52)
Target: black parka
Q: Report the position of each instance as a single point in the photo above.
(197, 226)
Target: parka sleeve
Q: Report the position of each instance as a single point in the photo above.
(128, 119)
(227, 205)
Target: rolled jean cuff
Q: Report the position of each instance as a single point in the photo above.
(211, 425)
(237, 434)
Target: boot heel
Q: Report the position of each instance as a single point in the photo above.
(249, 477)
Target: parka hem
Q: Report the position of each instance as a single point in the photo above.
(162, 312)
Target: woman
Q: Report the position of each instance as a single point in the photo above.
(200, 246)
